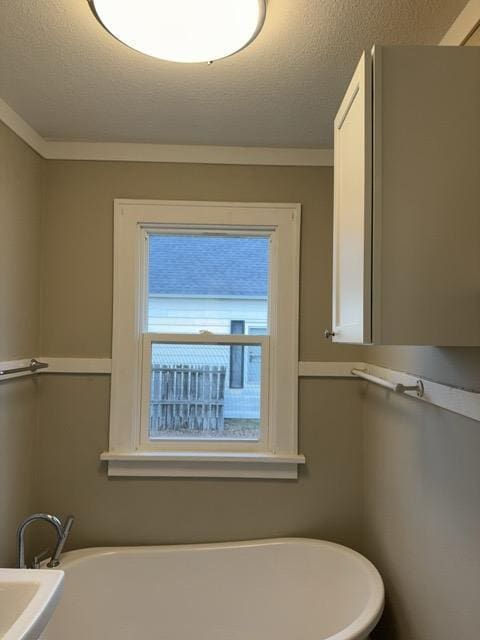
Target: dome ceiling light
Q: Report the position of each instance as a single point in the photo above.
(182, 30)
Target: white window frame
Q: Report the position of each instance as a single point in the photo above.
(275, 455)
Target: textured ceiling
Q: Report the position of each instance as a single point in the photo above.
(72, 81)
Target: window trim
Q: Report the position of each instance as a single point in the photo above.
(131, 218)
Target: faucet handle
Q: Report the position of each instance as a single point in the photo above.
(55, 559)
(68, 524)
(37, 560)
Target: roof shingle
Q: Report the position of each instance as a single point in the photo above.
(208, 265)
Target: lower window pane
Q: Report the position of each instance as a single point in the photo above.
(191, 397)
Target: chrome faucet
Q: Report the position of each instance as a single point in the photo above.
(62, 534)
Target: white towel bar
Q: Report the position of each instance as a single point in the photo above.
(393, 386)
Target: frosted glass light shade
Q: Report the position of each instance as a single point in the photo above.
(182, 30)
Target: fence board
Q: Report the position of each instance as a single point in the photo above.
(187, 398)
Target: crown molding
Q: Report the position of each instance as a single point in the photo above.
(133, 152)
(18, 125)
(464, 25)
(203, 154)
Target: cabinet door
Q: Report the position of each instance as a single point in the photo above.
(352, 234)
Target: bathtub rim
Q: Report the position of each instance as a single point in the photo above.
(363, 624)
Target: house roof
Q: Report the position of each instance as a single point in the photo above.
(208, 265)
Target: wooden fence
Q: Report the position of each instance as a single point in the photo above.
(187, 398)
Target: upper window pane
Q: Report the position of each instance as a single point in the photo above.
(205, 282)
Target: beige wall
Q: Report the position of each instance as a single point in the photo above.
(76, 321)
(21, 173)
(20, 199)
(77, 241)
(325, 501)
(421, 517)
(458, 366)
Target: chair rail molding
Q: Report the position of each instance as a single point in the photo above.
(78, 365)
(462, 401)
(457, 400)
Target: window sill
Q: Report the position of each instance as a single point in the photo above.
(202, 464)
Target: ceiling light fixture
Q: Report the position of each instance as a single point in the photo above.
(182, 30)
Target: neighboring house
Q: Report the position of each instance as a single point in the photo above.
(217, 284)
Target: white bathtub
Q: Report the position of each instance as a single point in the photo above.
(280, 589)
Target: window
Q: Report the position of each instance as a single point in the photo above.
(204, 363)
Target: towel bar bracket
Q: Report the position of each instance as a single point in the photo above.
(33, 367)
(418, 388)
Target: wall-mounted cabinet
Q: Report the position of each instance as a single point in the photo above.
(407, 199)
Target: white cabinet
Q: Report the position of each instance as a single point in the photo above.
(353, 210)
(406, 266)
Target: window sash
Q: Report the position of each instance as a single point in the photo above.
(145, 443)
(237, 357)
(145, 230)
(250, 367)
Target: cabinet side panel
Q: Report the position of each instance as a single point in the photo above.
(377, 164)
(430, 196)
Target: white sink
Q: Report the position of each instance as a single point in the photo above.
(28, 598)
